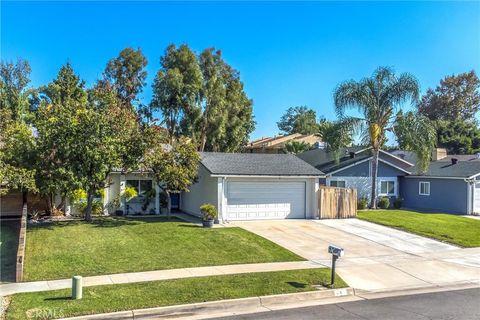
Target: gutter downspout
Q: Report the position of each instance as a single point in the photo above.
(470, 195)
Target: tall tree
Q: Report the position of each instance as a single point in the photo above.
(202, 98)
(458, 137)
(298, 120)
(14, 78)
(457, 97)
(127, 74)
(416, 133)
(453, 106)
(176, 90)
(100, 141)
(376, 98)
(226, 112)
(61, 101)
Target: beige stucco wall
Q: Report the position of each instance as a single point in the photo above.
(204, 191)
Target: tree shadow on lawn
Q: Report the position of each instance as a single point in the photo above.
(297, 285)
(58, 298)
(103, 222)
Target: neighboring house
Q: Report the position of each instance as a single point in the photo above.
(277, 144)
(452, 183)
(246, 186)
(352, 168)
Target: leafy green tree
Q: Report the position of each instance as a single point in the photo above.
(176, 90)
(296, 147)
(336, 135)
(175, 168)
(458, 137)
(416, 133)
(453, 106)
(376, 99)
(14, 78)
(16, 145)
(55, 156)
(127, 74)
(456, 98)
(298, 120)
(202, 98)
(226, 119)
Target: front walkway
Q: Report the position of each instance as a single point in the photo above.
(146, 276)
(377, 258)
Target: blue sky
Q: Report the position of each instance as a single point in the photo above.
(288, 54)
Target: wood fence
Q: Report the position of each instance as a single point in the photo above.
(337, 203)
(21, 246)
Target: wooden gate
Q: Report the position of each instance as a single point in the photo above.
(337, 203)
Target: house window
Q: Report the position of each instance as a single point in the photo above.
(387, 188)
(140, 186)
(424, 188)
(337, 183)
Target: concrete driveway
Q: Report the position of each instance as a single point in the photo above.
(376, 257)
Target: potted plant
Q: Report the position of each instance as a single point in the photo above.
(209, 213)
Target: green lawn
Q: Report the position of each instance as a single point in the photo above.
(111, 298)
(108, 245)
(8, 249)
(460, 231)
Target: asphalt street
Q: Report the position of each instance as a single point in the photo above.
(449, 305)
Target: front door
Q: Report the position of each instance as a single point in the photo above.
(175, 200)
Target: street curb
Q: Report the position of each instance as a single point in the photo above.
(231, 305)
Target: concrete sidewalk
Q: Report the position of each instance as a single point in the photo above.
(146, 276)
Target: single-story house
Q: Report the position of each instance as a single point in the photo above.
(242, 186)
(451, 185)
(251, 186)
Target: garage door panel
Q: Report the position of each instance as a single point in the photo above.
(265, 200)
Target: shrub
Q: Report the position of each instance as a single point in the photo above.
(397, 203)
(129, 193)
(384, 203)
(97, 207)
(208, 210)
(362, 204)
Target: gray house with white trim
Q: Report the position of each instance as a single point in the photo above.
(451, 185)
(352, 168)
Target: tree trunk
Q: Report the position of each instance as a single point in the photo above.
(169, 204)
(88, 211)
(373, 199)
(50, 204)
(203, 137)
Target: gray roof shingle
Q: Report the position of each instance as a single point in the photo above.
(256, 164)
(462, 169)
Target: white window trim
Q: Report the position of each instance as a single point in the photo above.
(420, 188)
(387, 194)
(337, 180)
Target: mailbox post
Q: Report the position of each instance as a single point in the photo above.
(336, 253)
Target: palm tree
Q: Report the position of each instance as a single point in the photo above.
(376, 98)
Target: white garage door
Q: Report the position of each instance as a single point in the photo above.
(476, 199)
(265, 200)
